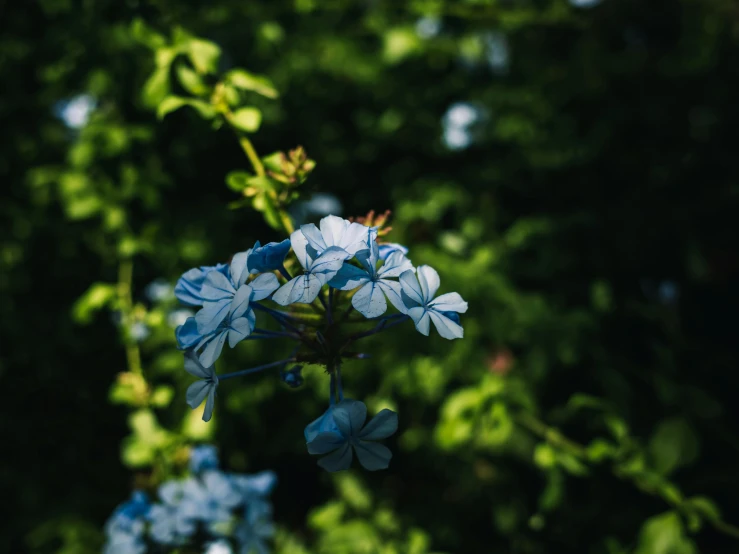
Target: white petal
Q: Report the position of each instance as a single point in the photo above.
(449, 302)
(395, 264)
(238, 268)
(446, 327)
(369, 300)
(299, 243)
(313, 237)
(420, 317)
(241, 300)
(282, 296)
(411, 288)
(392, 291)
(332, 230)
(429, 280)
(264, 285)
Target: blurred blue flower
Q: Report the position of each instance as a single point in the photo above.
(211, 498)
(255, 490)
(203, 457)
(169, 523)
(124, 530)
(497, 51)
(319, 269)
(178, 317)
(388, 248)
(292, 377)
(269, 257)
(76, 111)
(418, 291)
(200, 389)
(428, 27)
(159, 290)
(584, 3)
(345, 433)
(187, 289)
(458, 122)
(374, 285)
(218, 547)
(252, 533)
(139, 331)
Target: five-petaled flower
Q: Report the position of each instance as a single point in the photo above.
(340, 430)
(418, 297)
(374, 284)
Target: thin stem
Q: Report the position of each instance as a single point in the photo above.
(255, 369)
(125, 299)
(332, 391)
(284, 273)
(330, 307)
(248, 148)
(323, 302)
(267, 333)
(555, 438)
(381, 326)
(338, 382)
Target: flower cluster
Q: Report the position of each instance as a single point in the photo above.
(211, 510)
(341, 268)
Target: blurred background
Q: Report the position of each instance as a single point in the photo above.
(568, 166)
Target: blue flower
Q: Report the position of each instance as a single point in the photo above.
(269, 257)
(252, 533)
(335, 231)
(418, 293)
(218, 547)
(319, 270)
(203, 457)
(292, 378)
(187, 289)
(255, 490)
(170, 524)
(210, 499)
(223, 295)
(389, 248)
(235, 327)
(340, 429)
(125, 528)
(200, 389)
(375, 284)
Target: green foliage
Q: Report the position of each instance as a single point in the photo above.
(582, 403)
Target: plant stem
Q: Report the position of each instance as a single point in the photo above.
(248, 148)
(125, 299)
(255, 369)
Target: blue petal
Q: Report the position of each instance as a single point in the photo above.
(395, 265)
(340, 460)
(325, 442)
(373, 456)
(187, 334)
(449, 302)
(349, 277)
(392, 290)
(268, 257)
(299, 244)
(384, 424)
(327, 265)
(429, 280)
(210, 404)
(349, 416)
(212, 315)
(213, 348)
(194, 367)
(322, 424)
(197, 392)
(264, 285)
(302, 289)
(420, 317)
(238, 270)
(188, 286)
(386, 249)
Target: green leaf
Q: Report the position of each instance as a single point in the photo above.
(354, 492)
(190, 80)
(664, 534)
(674, 444)
(162, 396)
(204, 55)
(95, 298)
(145, 35)
(246, 119)
(248, 81)
(136, 453)
(172, 103)
(156, 87)
(237, 181)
